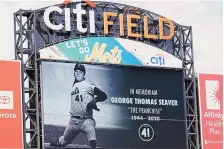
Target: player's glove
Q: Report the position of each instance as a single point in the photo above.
(92, 105)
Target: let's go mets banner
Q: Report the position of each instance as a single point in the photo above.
(11, 120)
(112, 51)
(211, 110)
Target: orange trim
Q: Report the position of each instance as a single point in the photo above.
(90, 3)
(67, 2)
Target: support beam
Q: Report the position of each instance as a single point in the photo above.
(25, 51)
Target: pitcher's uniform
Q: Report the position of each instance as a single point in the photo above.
(81, 119)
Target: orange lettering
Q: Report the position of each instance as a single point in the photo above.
(130, 25)
(121, 19)
(146, 29)
(161, 20)
(106, 22)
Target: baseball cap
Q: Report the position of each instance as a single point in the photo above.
(80, 67)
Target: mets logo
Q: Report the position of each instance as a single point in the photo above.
(4, 100)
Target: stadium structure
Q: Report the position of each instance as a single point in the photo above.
(31, 35)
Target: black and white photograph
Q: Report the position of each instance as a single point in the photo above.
(109, 106)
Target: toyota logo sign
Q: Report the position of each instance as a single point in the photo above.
(4, 100)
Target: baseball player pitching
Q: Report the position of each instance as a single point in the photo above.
(84, 97)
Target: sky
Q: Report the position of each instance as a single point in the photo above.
(205, 17)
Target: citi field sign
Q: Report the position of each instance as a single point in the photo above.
(129, 25)
(107, 49)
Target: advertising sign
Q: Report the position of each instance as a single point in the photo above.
(11, 120)
(126, 21)
(133, 107)
(211, 110)
(110, 50)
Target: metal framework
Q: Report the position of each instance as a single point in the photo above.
(31, 34)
